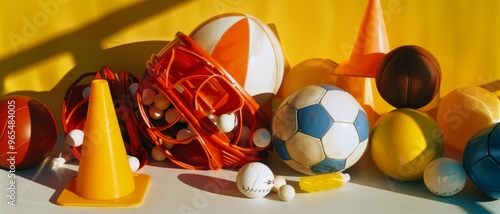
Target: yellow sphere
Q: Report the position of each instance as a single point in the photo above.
(308, 72)
(403, 142)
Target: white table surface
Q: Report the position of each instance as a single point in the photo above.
(176, 190)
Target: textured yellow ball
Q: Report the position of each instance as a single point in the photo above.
(308, 72)
(464, 111)
(403, 142)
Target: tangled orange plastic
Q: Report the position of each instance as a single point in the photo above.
(198, 87)
(74, 109)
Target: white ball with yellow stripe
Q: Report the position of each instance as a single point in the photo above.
(247, 48)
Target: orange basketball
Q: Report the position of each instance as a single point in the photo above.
(409, 77)
(28, 132)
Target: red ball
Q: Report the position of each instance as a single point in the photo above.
(28, 132)
(408, 77)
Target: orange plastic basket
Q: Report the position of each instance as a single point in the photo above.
(198, 87)
(74, 109)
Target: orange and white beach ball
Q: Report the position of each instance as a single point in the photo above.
(247, 48)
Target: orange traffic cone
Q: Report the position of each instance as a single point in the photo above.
(104, 177)
(371, 44)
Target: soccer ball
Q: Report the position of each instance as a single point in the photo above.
(481, 158)
(444, 176)
(320, 129)
(255, 180)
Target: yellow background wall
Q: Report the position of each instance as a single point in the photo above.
(47, 44)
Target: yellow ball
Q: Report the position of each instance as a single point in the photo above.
(464, 111)
(308, 72)
(403, 142)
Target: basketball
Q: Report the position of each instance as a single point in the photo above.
(308, 72)
(29, 132)
(247, 49)
(464, 111)
(408, 77)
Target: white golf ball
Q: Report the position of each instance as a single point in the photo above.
(74, 138)
(226, 122)
(134, 163)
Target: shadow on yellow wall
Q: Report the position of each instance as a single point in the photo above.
(84, 47)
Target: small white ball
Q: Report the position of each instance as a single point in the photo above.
(261, 138)
(86, 92)
(155, 113)
(161, 102)
(57, 162)
(227, 122)
(148, 96)
(74, 138)
(444, 176)
(132, 88)
(134, 163)
(158, 154)
(286, 192)
(278, 182)
(184, 134)
(254, 180)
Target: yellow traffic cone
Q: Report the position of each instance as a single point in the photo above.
(104, 176)
(371, 44)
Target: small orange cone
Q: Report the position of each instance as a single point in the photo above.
(371, 44)
(104, 177)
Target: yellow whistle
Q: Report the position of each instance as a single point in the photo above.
(316, 183)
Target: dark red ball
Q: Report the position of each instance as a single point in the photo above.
(28, 132)
(408, 77)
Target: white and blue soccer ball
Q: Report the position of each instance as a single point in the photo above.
(320, 129)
